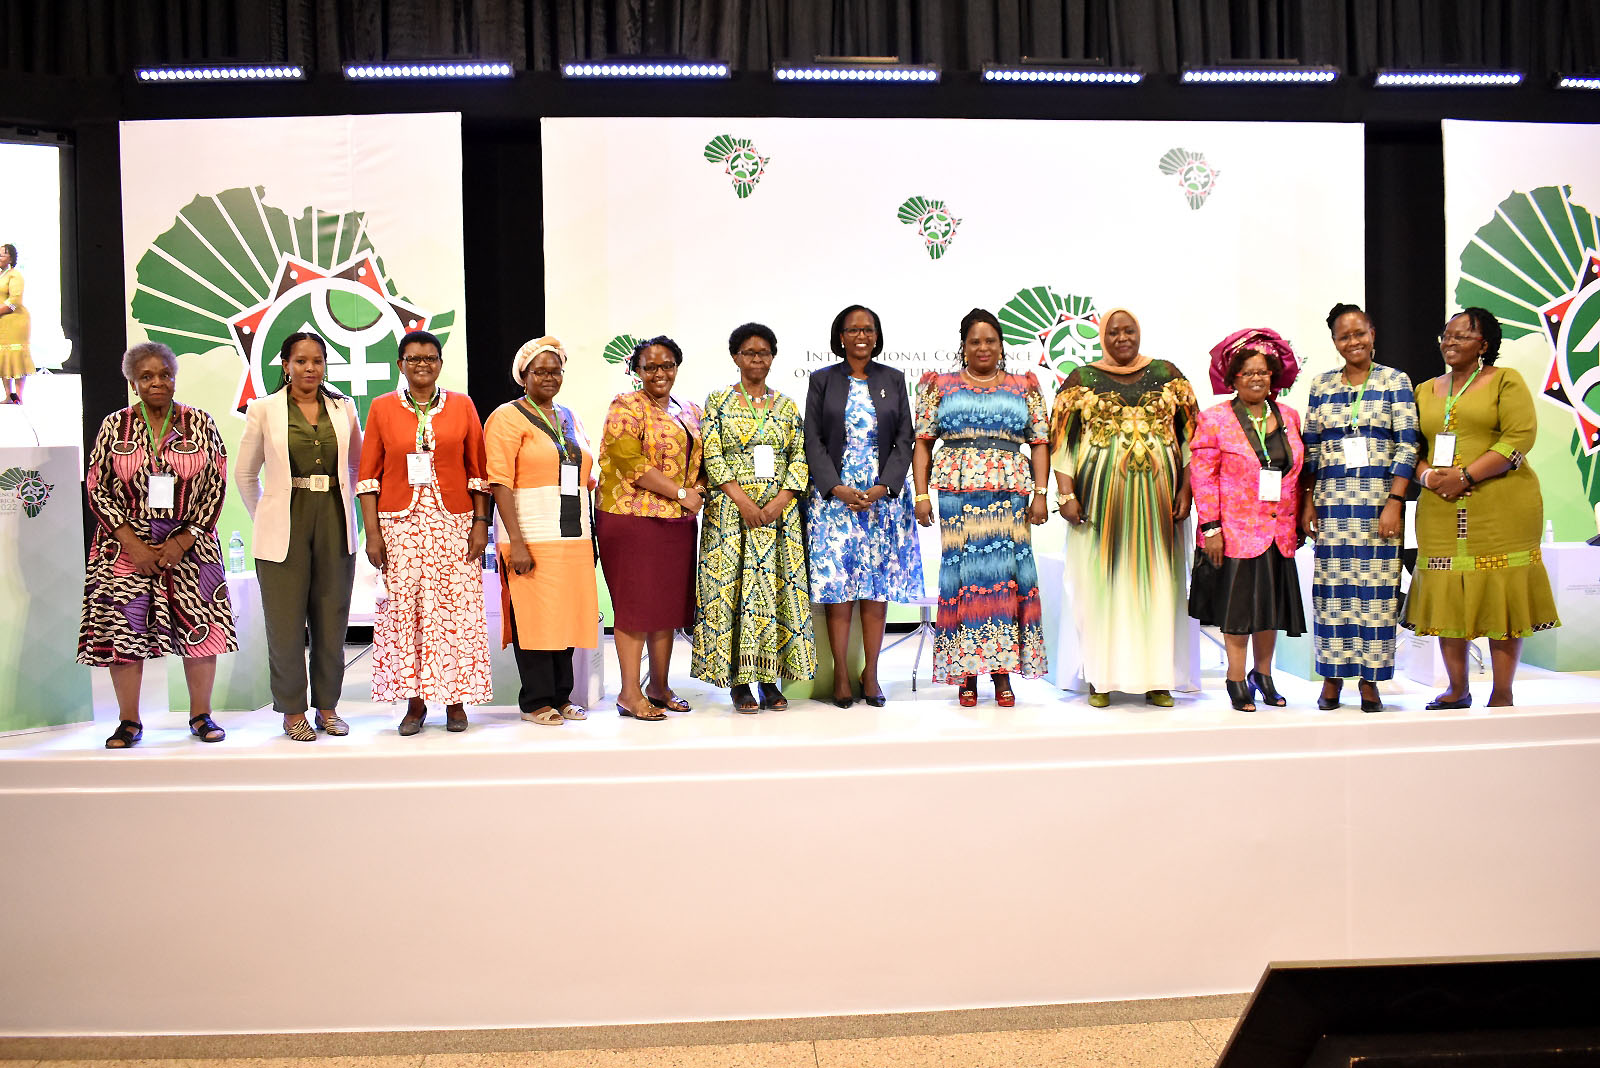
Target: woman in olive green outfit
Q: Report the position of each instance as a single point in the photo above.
(1479, 569)
(296, 471)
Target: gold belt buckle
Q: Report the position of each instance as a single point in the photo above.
(319, 483)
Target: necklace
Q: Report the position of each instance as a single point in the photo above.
(984, 380)
(664, 405)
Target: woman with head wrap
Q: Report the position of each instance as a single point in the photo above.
(1480, 571)
(1246, 464)
(1118, 435)
(540, 471)
(1361, 451)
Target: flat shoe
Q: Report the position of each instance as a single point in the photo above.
(333, 724)
(1098, 698)
(1439, 702)
(300, 730)
(1159, 698)
(549, 717)
(653, 716)
(126, 736)
(772, 697)
(205, 728)
(672, 703)
(745, 701)
(574, 712)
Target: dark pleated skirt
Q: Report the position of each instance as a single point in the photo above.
(1261, 593)
(649, 569)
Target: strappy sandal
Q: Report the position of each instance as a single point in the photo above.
(651, 715)
(672, 702)
(300, 730)
(205, 728)
(548, 717)
(332, 724)
(126, 736)
(968, 693)
(572, 711)
(772, 698)
(743, 700)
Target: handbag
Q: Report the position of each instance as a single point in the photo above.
(1204, 580)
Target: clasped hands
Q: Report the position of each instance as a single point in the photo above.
(1448, 483)
(760, 515)
(860, 500)
(148, 559)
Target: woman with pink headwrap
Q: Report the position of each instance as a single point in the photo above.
(1247, 456)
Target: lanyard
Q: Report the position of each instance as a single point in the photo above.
(745, 440)
(1355, 405)
(1450, 400)
(1261, 430)
(561, 443)
(424, 416)
(156, 441)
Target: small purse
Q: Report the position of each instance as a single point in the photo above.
(1204, 579)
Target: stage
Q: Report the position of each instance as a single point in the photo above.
(817, 861)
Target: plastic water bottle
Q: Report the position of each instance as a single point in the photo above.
(236, 553)
(1549, 531)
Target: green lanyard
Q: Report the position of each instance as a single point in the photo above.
(1355, 405)
(557, 434)
(1450, 400)
(751, 405)
(424, 415)
(156, 441)
(1261, 430)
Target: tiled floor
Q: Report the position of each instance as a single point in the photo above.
(1168, 1044)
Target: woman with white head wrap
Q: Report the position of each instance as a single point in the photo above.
(541, 472)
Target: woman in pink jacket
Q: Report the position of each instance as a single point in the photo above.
(1245, 468)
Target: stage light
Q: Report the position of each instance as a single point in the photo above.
(224, 72)
(450, 68)
(1578, 81)
(1044, 71)
(856, 69)
(1287, 72)
(646, 68)
(1446, 79)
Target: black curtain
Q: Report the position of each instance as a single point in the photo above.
(109, 37)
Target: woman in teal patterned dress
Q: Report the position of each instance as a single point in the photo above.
(754, 618)
(989, 493)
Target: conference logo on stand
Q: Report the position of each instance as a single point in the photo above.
(740, 161)
(1059, 332)
(236, 272)
(1536, 266)
(934, 222)
(23, 489)
(618, 351)
(1196, 177)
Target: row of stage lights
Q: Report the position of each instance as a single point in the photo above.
(868, 70)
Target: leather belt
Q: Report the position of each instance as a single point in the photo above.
(983, 442)
(314, 483)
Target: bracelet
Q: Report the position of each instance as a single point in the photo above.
(1466, 476)
(1397, 497)
(1064, 498)
(1424, 478)
(919, 498)
(480, 519)
(1211, 528)
(1040, 491)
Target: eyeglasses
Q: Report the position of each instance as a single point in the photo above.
(1253, 374)
(1458, 339)
(1357, 335)
(421, 361)
(860, 331)
(548, 372)
(657, 368)
(755, 354)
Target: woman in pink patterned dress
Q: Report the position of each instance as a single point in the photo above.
(425, 504)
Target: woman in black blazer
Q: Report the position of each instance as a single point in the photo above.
(861, 527)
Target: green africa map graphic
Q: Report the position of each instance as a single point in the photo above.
(32, 492)
(1066, 329)
(1535, 265)
(740, 161)
(234, 271)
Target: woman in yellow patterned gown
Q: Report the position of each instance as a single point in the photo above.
(16, 363)
(1118, 442)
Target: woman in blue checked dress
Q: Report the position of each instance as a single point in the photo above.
(1361, 451)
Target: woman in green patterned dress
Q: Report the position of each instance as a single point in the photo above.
(1118, 437)
(753, 623)
(1479, 569)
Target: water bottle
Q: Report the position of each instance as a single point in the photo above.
(1549, 531)
(236, 553)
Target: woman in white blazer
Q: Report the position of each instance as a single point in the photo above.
(296, 473)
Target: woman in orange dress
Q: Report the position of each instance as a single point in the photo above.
(540, 472)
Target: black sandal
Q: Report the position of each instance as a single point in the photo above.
(126, 736)
(1239, 696)
(205, 728)
(744, 700)
(772, 698)
(1263, 684)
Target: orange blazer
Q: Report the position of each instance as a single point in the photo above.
(459, 463)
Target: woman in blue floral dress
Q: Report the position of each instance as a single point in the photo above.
(861, 537)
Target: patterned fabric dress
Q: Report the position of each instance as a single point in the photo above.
(1355, 591)
(989, 617)
(754, 618)
(1480, 572)
(1122, 438)
(128, 617)
(15, 358)
(862, 556)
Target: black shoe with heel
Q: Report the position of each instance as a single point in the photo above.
(1264, 688)
(1239, 696)
(1375, 703)
(1326, 703)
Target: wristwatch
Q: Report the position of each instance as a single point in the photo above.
(683, 494)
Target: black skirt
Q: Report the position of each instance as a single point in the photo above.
(1261, 593)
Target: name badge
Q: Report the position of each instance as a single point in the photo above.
(1356, 452)
(766, 461)
(163, 490)
(419, 468)
(1270, 486)
(1444, 450)
(569, 480)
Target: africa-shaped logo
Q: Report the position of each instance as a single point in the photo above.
(1064, 332)
(618, 351)
(934, 222)
(1535, 265)
(26, 489)
(740, 161)
(1197, 177)
(234, 271)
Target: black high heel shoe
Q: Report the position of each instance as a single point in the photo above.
(1374, 705)
(1239, 696)
(1328, 704)
(1263, 686)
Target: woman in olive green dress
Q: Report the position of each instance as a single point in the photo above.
(1479, 568)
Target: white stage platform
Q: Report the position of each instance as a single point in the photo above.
(816, 861)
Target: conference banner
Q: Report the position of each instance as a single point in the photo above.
(1521, 201)
(239, 232)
